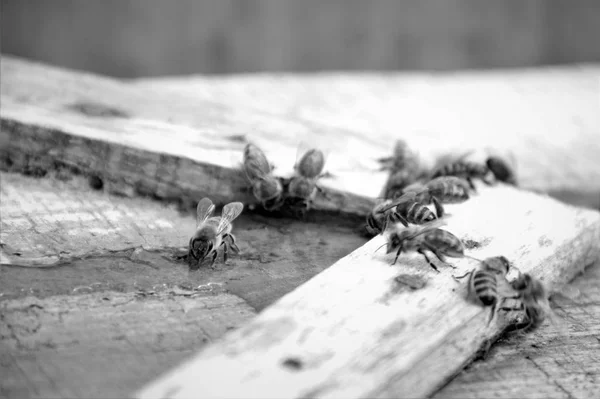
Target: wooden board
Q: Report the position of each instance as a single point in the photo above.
(547, 118)
(140, 142)
(372, 338)
(546, 362)
(147, 324)
(88, 346)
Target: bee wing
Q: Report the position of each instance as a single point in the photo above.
(230, 212)
(204, 209)
(255, 163)
(304, 147)
(424, 228)
(406, 197)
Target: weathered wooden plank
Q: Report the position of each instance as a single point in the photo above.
(173, 146)
(369, 337)
(546, 117)
(103, 344)
(546, 362)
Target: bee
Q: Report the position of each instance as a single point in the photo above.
(460, 168)
(426, 237)
(302, 187)
(266, 188)
(406, 209)
(444, 189)
(405, 168)
(501, 170)
(532, 299)
(213, 232)
(486, 280)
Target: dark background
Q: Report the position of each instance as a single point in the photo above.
(129, 38)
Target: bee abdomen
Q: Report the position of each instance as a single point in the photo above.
(484, 285)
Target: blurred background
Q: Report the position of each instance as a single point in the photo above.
(132, 38)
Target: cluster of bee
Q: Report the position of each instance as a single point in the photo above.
(410, 225)
(404, 215)
(295, 193)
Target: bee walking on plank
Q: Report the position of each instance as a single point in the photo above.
(406, 209)
(459, 167)
(426, 237)
(444, 189)
(405, 168)
(486, 282)
(266, 188)
(212, 232)
(532, 299)
(302, 187)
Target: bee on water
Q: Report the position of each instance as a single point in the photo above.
(426, 237)
(459, 167)
(302, 187)
(486, 281)
(213, 232)
(532, 299)
(405, 168)
(266, 188)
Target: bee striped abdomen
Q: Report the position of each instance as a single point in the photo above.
(485, 288)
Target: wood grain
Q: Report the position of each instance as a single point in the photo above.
(547, 362)
(371, 338)
(547, 118)
(141, 141)
(103, 344)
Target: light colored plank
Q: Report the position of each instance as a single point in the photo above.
(103, 344)
(545, 363)
(546, 117)
(172, 146)
(356, 333)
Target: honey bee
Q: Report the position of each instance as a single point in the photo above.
(444, 189)
(460, 168)
(405, 168)
(486, 280)
(426, 237)
(532, 299)
(302, 187)
(380, 217)
(406, 209)
(213, 232)
(266, 188)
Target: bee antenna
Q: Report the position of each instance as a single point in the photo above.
(470, 257)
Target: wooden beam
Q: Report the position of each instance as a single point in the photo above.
(141, 141)
(354, 331)
(547, 118)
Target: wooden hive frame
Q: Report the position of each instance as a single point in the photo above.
(370, 336)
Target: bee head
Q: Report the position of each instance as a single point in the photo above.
(504, 263)
(202, 247)
(500, 169)
(394, 241)
(268, 188)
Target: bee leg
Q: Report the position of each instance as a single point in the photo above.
(442, 258)
(471, 184)
(233, 245)
(214, 257)
(439, 209)
(463, 276)
(492, 314)
(402, 219)
(224, 245)
(323, 193)
(427, 259)
(397, 255)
